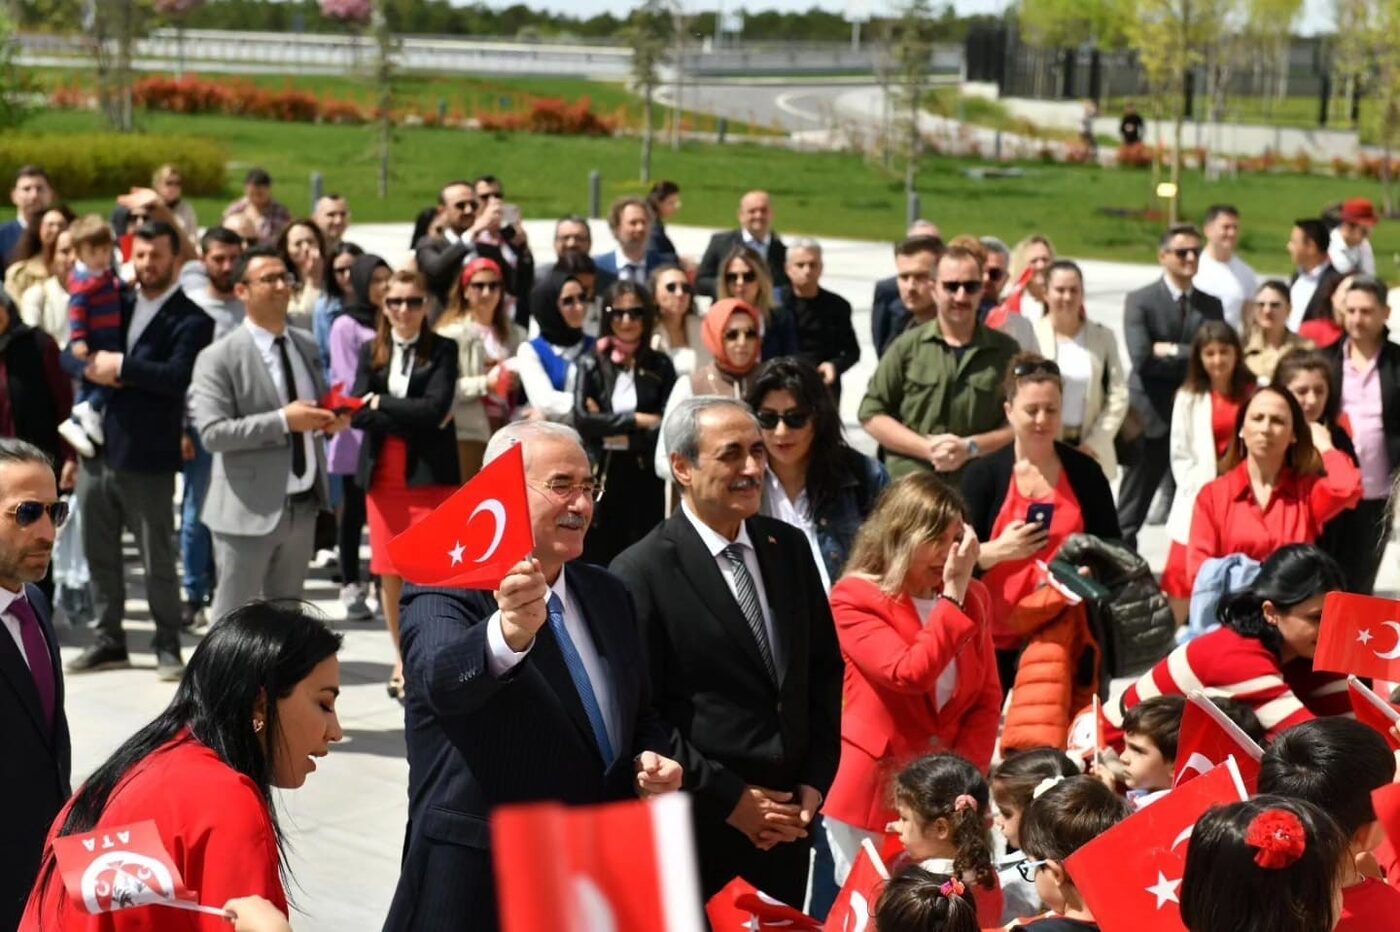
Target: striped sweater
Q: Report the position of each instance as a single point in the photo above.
(95, 308)
(1226, 663)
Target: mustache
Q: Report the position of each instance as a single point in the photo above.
(572, 521)
(743, 484)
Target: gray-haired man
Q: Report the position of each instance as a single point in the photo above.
(825, 337)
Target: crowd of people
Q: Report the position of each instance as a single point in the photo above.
(725, 596)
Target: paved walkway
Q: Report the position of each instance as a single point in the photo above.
(346, 825)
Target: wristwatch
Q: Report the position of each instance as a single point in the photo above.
(973, 450)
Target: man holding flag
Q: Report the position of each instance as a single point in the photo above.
(536, 691)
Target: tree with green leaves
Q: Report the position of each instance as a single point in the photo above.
(648, 32)
(910, 47)
(1368, 35)
(15, 83)
(1054, 24)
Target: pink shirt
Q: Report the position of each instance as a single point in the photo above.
(1361, 400)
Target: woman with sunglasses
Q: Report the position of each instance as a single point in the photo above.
(479, 321)
(408, 462)
(815, 481)
(335, 294)
(621, 390)
(548, 364)
(302, 247)
(1026, 498)
(745, 276)
(677, 331)
(1267, 337)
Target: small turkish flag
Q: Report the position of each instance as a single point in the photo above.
(1372, 710)
(997, 316)
(628, 865)
(336, 400)
(1359, 634)
(1130, 876)
(1208, 738)
(740, 907)
(473, 538)
(122, 868)
(854, 908)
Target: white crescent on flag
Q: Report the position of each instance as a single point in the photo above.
(498, 512)
(1197, 762)
(1394, 652)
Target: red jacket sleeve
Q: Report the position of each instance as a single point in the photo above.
(977, 733)
(871, 642)
(1338, 490)
(229, 850)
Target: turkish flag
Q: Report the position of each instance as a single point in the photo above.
(473, 538)
(854, 908)
(1360, 634)
(628, 865)
(1372, 710)
(336, 400)
(1208, 738)
(1130, 876)
(740, 907)
(122, 868)
(1011, 304)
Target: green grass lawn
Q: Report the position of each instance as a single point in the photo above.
(821, 194)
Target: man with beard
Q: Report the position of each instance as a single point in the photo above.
(464, 218)
(131, 482)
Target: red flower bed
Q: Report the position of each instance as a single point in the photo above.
(554, 117)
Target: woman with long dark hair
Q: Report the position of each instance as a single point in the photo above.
(302, 247)
(254, 708)
(335, 295)
(32, 259)
(1261, 655)
(677, 331)
(815, 481)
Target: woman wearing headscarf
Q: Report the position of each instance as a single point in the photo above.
(547, 365)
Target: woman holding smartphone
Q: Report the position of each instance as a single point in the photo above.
(1026, 498)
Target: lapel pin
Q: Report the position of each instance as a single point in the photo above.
(772, 540)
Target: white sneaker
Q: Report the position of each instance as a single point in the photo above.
(77, 438)
(352, 596)
(91, 419)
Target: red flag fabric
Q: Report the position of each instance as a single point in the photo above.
(1372, 710)
(854, 907)
(1011, 304)
(1359, 634)
(1130, 876)
(336, 400)
(1386, 801)
(628, 865)
(740, 907)
(122, 868)
(1208, 738)
(474, 537)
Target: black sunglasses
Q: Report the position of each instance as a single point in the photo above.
(26, 513)
(413, 304)
(1187, 251)
(484, 286)
(741, 278)
(465, 205)
(1035, 367)
(995, 275)
(627, 313)
(741, 335)
(679, 288)
(795, 420)
(491, 196)
(970, 287)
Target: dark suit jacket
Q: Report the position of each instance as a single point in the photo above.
(706, 279)
(824, 331)
(441, 262)
(1389, 367)
(888, 315)
(1320, 304)
(1150, 315)
(987, 480)
(421, 418)
(145, 418)
(10, 235)
(476, 741)
(606, 264)
(735, 726)
(34, 769)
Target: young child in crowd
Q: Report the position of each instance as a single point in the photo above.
(943, 824)
(1014, 782)
(916, 901)
(1150, 732)
(1266, 865)
(94, 324)
(1057, 823)
(1335, 763)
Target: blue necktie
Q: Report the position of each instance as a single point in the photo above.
(579, 674)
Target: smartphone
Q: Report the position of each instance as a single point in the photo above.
(1040, 513)
(510, 215)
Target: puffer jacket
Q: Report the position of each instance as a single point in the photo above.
(1128, 614)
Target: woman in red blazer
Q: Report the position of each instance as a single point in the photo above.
(921, 674)
(255, 706)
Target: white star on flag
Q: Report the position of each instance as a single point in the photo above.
(1364, 635)
(456, 553)
(1164, 890)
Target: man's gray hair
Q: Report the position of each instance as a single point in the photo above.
(992, 244)
(807, 243)
(14, 450)
(681, 432)
(525, 431)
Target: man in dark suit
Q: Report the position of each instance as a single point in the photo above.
(34, 770)
(131, 481)
(537, 691)
(755, 232)
(1311, 287)
(905, 299)
(1159, 322)
(629, 219)
(743, 654)
(442, 257)
(31, 195)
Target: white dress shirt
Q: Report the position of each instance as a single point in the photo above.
(759, 246)
(1076, 370)
(144, 312)
(500, 659)
(265, 341)
(11, 622)
(947, 682)
(1301, 292)
(400, 367)
(798, 513)
(629, 270)
(715, 543)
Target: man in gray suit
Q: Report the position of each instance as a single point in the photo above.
(255, 393)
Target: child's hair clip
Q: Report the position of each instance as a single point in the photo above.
(1045, 785)
(964, 801)
(951, 886)
(1279, 837)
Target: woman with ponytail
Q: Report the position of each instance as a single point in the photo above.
(619, 395)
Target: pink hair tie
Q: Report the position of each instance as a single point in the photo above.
(952, 886)
(964, 801)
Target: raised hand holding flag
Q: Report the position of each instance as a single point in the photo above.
(1359, 634)
(1208, 738)
(123, 867)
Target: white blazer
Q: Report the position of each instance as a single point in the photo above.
(1104, 411)
(1192, 457)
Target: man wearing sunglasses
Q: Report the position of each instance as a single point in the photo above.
(825, 337)
(34, 770)
(1159, 322)
(756, 233)
(464, 218)
(255, 404)
(935, 400)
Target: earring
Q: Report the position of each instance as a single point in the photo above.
(257, 725)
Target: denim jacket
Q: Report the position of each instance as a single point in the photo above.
(839, 519)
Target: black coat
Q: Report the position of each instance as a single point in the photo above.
(35, 768)
(442, 261)
(477, 741)
(594, 382)
(1320, 304)
(422, 417)
(888, 315)
(824, 331)
(1151, 315)
(721, 244)
(987, 480)
(1388, 366)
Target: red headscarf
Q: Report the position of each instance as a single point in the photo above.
(712, 333)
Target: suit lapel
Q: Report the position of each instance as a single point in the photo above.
(15, 671)
(259, 379)
(602, 628)
(548, 664)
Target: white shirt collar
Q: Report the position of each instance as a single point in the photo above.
(262, 337)
(557, 587)
(1174, 291)
(8, 598)
(623, 262)
(1315, 274)
(712, 539)
(942, 866)
(749, 238)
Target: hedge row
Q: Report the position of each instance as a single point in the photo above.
(103, 164)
